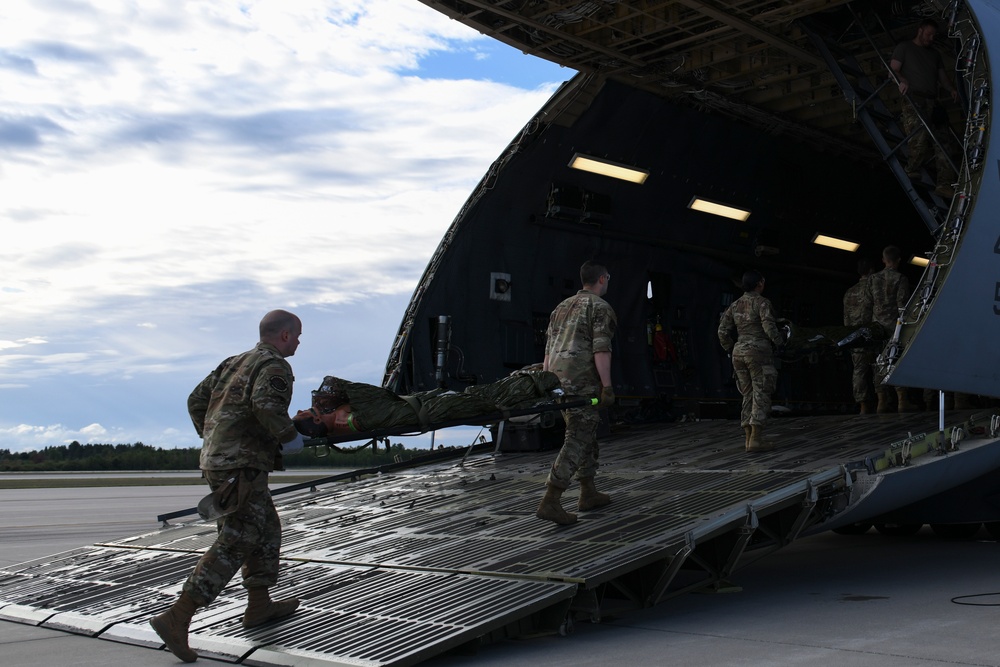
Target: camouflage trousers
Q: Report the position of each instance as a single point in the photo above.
(578, 456)
(249, 539)
(861, 379)
(756, 378)
(921, 144)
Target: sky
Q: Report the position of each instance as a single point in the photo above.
(171, 170)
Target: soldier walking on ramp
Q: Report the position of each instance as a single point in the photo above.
(578, 351)
(241, 412)
(753, 360)
(858, 313)
(890, 290)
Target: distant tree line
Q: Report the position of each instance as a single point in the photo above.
(138, 456)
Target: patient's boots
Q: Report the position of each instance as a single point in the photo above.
(261, 608)
(590, 497)
(551, 509)
(757, 441)
(903, 400)
(172, 627)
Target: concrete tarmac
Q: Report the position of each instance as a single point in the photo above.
(825, 601)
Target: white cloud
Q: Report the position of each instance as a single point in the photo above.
(171, 171)
(9, 344)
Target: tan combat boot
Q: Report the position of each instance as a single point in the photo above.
(261, 609)
(883, 406)
(551, 509)
(172, 627)
(747, 430)
(590, 497)
(863, 408)
(757, 441)
(903, 401)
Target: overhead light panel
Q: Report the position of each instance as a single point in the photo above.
(833, 242)
(715, 208)
(919, 261)
(604, 167)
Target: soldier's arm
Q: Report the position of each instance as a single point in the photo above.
(767, 321)
(725, 326)
(903, 292)
(272, 394)
(602, 360)
(198, 403)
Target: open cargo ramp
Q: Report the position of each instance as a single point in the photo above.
(402, 566)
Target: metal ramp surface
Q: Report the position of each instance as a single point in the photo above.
(396, 568)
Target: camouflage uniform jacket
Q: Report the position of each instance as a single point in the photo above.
(753, 317)
(578, 327)
(890, 290)
(858, 304)
(241, 410)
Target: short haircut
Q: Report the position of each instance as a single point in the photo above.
(751, 279)
(275, 322)
(591, 272)
(865, 266)
(928, 23)
(892, 253)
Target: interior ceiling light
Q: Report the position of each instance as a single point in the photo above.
(919, 261)
(603, 167)
(715, 208)
(833, 242)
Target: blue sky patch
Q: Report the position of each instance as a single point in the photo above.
(493, 60)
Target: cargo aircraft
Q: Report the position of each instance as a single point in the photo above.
(700, 139)
(785, 116)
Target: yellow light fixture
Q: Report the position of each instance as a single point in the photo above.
(833, 242)
(597, 165)
(715, 208)
(919, 261)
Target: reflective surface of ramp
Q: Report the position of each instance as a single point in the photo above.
(399, 567)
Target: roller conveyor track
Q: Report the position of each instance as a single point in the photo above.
(397, 568)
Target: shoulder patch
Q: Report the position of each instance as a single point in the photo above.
(278, 383)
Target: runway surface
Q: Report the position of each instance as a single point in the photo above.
(827, 600)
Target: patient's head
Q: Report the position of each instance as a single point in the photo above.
(310, 423)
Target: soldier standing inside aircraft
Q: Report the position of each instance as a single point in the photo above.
(578, 351)
(919, 70)
(753, 361)
(890, 290)
(241, 412)
(857, 313)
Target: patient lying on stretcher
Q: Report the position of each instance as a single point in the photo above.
(831, 338)
(341, 407)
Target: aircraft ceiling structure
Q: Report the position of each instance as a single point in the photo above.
(747, 59)
(811, 72)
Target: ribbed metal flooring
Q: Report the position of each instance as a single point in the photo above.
(399, 567)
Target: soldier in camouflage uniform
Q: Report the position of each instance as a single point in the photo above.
(858, 313)
(241, 412)
(578, 351)
(920, 72)
(890, 290)
(753, 361)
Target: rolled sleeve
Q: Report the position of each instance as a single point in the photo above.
(604, 329)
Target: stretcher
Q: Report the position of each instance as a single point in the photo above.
(499, 417)
(343, 411)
